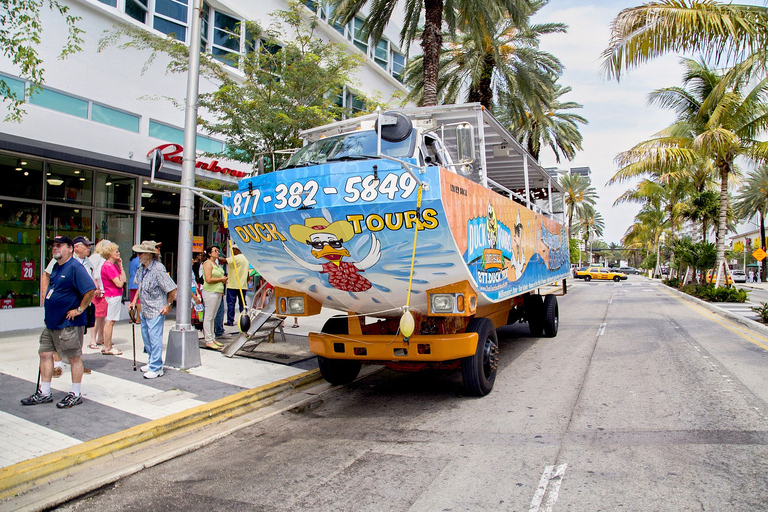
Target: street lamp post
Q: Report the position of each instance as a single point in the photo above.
(183, 348)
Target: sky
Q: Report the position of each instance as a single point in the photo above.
(618, 114)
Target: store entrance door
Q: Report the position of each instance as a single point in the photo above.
(166, 231)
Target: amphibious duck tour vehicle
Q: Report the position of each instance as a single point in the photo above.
(430, 228)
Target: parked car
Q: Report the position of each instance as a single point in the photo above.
(629, 270)
(711, 277)
(739, 276)
(601, 273)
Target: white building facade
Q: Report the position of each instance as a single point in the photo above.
(77, 162)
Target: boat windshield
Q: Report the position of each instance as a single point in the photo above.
(359, 145)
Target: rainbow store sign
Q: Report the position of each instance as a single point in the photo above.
(173, 153)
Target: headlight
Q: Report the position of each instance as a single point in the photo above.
(442, 303)
(295, 305)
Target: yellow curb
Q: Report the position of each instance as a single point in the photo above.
(14, 479)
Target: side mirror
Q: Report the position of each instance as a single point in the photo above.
(465, 143)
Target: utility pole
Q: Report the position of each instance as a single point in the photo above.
(183, 349)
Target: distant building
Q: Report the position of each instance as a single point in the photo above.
(581, 171)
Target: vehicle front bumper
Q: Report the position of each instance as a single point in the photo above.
(434, 348)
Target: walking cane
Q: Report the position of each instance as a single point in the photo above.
(132, 315)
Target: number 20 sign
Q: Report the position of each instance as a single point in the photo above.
(27, 270)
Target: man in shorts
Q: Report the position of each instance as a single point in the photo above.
(82, 248)
(69, 293)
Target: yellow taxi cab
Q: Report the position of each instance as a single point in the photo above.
(711, 277)
(601, 273)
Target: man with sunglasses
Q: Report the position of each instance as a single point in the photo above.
(69, 293)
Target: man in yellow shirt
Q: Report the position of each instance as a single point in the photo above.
(237, 285)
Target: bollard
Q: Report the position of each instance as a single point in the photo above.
(183, 347)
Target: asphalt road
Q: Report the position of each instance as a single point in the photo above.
(643, 402)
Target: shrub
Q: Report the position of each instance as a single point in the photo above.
(762, 311)
(673, 282)
(711, 294)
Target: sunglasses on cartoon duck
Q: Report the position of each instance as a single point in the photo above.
(318, 246)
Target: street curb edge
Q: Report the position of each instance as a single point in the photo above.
(19, 477)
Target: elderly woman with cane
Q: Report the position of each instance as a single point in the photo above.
(156, 291)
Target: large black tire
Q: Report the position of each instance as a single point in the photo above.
(551, 316)
(338, 371)
(587, 278)
(479, 370)
(616, 278)
(534, 314)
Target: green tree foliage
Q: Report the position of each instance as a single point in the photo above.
(289, 84)
(427, 18)
(506, 58)
(578, 193)
(753, 200)
(21, 34)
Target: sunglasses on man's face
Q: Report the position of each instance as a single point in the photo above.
(58, 244)
(334, 244)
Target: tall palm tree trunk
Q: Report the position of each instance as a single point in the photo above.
(764, 263)
(721, 270)
(431, 44)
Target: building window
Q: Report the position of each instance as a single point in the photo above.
(111, 3)
(204, 28)
(176, 135)
(358, 39)
(22, 178)
(171, 18)
(116, 118)
(137, 9)
(15, 86)
(398, 66)
(67, 184)
(115, 191)
(60, 102)
(20, 264)
(381, 54)
(226, 39)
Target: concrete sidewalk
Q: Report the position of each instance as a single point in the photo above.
(118, 400)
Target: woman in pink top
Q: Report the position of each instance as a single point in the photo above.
(113, 279)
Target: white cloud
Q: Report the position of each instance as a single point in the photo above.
(618, 114)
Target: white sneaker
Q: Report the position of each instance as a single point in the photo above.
(144, 368)
(153, 375)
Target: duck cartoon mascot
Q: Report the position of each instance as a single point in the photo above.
(327, 241)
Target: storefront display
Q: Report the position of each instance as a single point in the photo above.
(20, 231)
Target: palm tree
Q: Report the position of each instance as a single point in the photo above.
(591, 225)
(715, 30)
(715, 122)
(543, 121)
(505, 57)
(753, 200)
(578, 193)
(467, 15)
(703, 207)
(653, 217)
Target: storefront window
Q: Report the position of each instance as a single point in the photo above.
(117, 228)
(114, 191)
(157, 200)
(20, 230)
(23, 177)
(69, 184)
(61, 220)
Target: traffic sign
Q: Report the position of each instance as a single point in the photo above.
(759, 254)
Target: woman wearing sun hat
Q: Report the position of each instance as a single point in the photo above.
(157, 291)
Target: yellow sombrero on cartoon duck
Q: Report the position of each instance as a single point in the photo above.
(327, 241)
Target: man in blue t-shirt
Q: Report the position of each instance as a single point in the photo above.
(69, 293)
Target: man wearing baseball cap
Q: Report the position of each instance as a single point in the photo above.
(82, 248)
(68, 294)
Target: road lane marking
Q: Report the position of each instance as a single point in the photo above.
(549, 486)
(601, 330)
(749, 336)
